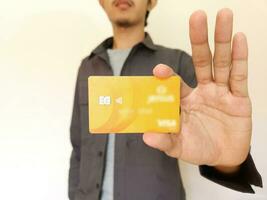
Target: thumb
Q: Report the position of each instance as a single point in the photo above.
(164, 71)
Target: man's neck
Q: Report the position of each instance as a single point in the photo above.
(125, 38)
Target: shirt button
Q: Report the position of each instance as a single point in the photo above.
(100, 153)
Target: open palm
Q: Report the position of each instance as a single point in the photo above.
(216, 115)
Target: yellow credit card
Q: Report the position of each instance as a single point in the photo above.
(133, 104)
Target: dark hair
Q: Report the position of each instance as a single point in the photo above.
(147, 14)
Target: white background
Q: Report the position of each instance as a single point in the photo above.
(41, 46)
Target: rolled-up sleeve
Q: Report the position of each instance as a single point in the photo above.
(240, 181)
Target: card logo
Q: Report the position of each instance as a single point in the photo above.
(118, 100)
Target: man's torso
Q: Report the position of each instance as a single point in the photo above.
(140, 172)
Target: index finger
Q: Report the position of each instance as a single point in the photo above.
(201, 54)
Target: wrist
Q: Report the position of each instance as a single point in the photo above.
(229, 170)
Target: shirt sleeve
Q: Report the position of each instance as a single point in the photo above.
(248, 174)
(75, 137)
(240, 181)
(186, 70)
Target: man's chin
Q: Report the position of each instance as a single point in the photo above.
(124, 23)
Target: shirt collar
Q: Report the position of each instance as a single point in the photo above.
(147, 42)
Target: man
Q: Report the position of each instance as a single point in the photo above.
(215, 115)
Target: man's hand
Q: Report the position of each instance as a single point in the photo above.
(215, 116)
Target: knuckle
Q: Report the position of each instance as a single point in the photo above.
(201, 62)
(238, 78)
(221, 63)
